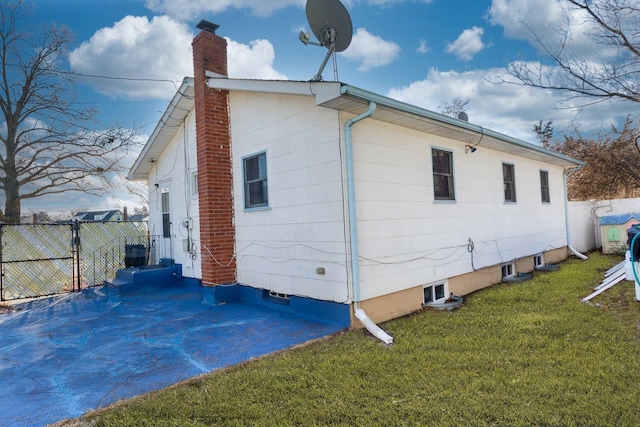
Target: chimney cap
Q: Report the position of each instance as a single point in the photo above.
(205, 25)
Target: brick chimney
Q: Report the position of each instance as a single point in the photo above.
(215, 176)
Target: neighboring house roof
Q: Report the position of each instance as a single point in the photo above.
(343, 97)
(618, 219)
(111, 215)
(138, 218)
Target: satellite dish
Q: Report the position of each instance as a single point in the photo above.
(463, 116)
(331, 24)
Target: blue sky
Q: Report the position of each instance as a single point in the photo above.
(425, 52)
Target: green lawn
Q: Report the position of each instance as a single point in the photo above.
(527, 354)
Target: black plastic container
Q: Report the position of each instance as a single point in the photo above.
(135, 255)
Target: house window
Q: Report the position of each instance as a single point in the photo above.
(538, 261)
(507, 271)
(434, 294)
(442, 174)
(544, 186)
(276, 297)
(194, 183)
(166, 216)
(255, 181)
(509, 177)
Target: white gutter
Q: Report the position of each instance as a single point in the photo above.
(566, 219)
(353, 229)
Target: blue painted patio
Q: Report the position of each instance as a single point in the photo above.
(64, 356)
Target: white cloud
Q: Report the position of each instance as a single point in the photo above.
(136, 48)
(520, 17)
(506, 108)
(424, 47)
(370, 50)
(191, 9)
(549, 21)
(384, 2)
(467, 44)
(253, 61)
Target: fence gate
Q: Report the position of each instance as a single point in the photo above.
(36, 260)
(46, 259)
(102, 248)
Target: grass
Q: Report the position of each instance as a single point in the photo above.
(526, 354)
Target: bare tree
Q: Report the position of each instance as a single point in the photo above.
(141, 210)
(609, 68)
(544, 131)
(611, 169)
(454, 107)
(47, 145)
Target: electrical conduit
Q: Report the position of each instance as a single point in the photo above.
(374, 329)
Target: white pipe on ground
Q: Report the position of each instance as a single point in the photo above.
(576, 253)
(566, 217)
(373, 328)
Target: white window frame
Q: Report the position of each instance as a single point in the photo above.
(165, 203)
(450, 176)
(538, 260)
(508, 270)
(511, 185)
(248, 205)
(435, 293)
(545, 193)
(194, 183)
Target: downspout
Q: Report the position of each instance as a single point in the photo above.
(566, 218)
(353, 229)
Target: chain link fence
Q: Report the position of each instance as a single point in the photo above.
(46, 259)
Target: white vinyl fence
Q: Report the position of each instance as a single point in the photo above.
(584, 220)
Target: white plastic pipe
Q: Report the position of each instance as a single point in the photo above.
(576, 253)
(373, 328)
(566, 217)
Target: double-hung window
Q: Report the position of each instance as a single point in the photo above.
(166, 212)
(443, 188)
(544, 186)
(509, 177)
(255, 181)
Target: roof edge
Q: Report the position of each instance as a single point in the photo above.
(171, 108)
(368, 96)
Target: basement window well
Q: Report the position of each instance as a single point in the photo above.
(538, 261)
(508, 271)
(435, 293)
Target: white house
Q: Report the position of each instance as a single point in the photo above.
(324, 197)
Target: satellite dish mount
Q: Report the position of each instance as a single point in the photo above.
(331, 24)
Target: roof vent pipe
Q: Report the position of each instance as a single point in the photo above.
(353, 229)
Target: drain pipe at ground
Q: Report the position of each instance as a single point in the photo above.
(566, 218)
(353, 230)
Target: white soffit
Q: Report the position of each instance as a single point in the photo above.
(177, 111)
